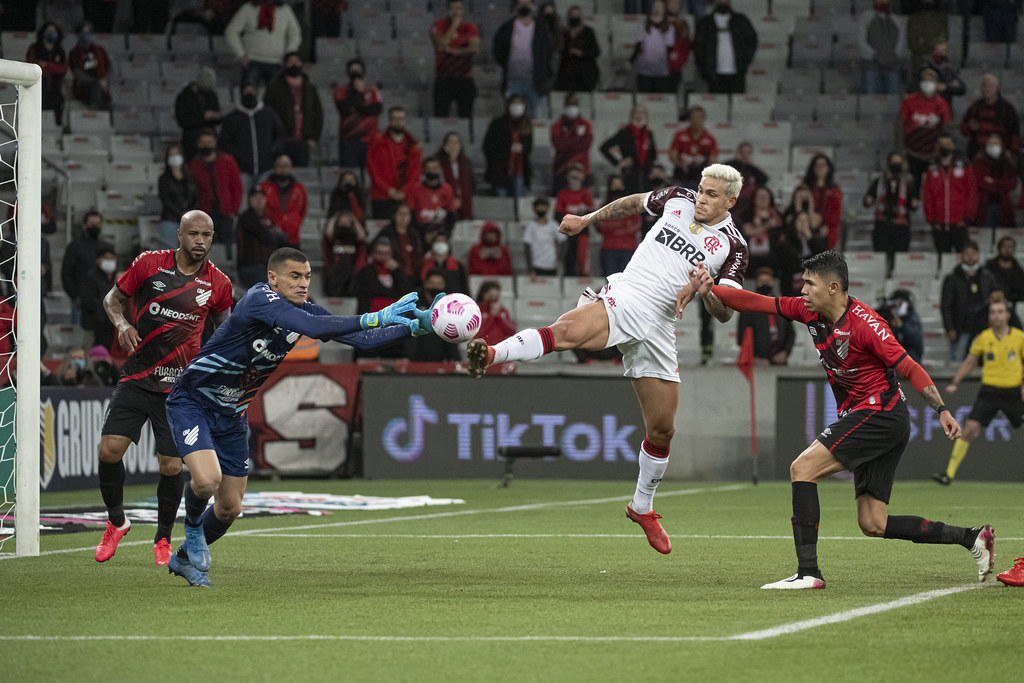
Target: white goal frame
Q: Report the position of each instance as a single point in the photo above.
(28, 79)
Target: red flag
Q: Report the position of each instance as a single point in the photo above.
(745, 362)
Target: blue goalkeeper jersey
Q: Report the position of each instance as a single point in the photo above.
(232, 365)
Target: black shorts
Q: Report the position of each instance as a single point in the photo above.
(128, 410)
(993, 399)
(870, 443)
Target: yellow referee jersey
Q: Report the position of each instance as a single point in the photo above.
(1001, 358)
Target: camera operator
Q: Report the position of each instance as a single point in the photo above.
(898, 310)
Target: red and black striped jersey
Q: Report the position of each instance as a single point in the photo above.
(171, 309)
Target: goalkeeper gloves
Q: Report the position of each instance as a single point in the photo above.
(389, 315)
(423, 324)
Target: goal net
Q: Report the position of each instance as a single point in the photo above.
(20, 327)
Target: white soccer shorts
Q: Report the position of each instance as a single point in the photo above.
(646, 337)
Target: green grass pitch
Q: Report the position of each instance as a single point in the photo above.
(543, 581)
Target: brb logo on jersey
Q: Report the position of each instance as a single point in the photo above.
(680, 245)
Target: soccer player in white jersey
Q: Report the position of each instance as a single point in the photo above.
(636, 311)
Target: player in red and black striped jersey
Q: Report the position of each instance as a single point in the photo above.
(172, 293)
(861, 358)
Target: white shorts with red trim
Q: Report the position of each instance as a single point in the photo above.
(645, 336)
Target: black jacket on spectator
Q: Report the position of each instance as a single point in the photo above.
(190, 107)
(278, 97)
(1010, 280)
(251, 138)
(543, 46)
(92, 290)
(497, 149)
(176, 196)
(767, 342)
(636, 176)
(79, 257)
(705, 44)
(578, 74)
(965, 300)
(257, 239)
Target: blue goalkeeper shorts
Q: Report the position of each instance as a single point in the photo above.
(197, 428)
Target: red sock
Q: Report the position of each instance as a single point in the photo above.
(654, 450)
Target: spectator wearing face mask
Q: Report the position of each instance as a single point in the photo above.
(76, 370)
(197, 108)
(964, 301)
(432, 201)
(571, 137)
(359, 105)
(98, 281)
(440, 258)
(899, 312)
(633, 151)
(507, 146)
(619, 236)
(348, 194)
(990, 113)
(344, 252)
(579, 201)
(542, 240)
(949, 196)
(995, 172)
(295, 99)
(522, 47)
(49, 55)
(178, 194)
(893, 195)
(923, 117)
(260, 34)
(772, 334)
(80, 257)
(949, 83)
(220, 187)
(286, 199)
(90, 67)
(724, 45)
(258, 238)
(489, 256)
(251, 133)
(577, 66)
(381, 282)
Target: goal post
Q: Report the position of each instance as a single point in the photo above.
(28, 332)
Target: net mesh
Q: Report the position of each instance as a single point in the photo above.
(8, 305)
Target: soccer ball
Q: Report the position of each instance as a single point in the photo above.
(456, 318)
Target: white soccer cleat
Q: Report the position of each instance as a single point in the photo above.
(795, 582)
(984, 551)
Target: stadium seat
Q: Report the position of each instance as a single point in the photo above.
(770, 134)
(612, 108)
(801, 156)
(921, 264)
(770, 55)
(130, 148)
(85, 147)
(190, 46)
(715, 106)
(335, 49)
(991, 56)
(800, 81)
(556, 101)
(836, 106)
(751, 108)
(16, 44)
(437, 129)
(816, 133)
(529, 287)
(866, 265)
(508, 294)
(137, 120)
(660, 107)
(493, 208)
(542, 309)
(84, 121)
(794, 107)
(811, 49)
(879, 105)
(143, 71)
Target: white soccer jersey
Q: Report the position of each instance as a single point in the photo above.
(677, 243)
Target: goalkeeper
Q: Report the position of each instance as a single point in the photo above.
(206, 409)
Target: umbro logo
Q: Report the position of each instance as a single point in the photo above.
(159, 284)
(203, 296)
(191, 436)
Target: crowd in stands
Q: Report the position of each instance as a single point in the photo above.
(401, 213)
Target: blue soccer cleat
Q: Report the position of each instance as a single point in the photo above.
(195, 546)
(185, 570)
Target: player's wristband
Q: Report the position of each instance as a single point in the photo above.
(938, 411)
(369, 320)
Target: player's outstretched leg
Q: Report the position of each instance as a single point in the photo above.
(980, 540)
(1015, 575)
(806, 516)
(526, 345)
(111, 475)
(180, 566)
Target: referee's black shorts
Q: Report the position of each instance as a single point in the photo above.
(993, 399)
(128, 410)
(870, 443)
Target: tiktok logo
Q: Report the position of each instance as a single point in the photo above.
(411, 430)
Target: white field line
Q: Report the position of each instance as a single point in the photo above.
(412, 518)
(763, 634)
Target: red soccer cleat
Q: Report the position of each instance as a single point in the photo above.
(1014, 576)
(656, 536)
(480, 357)
(162, 552)
(108, 546)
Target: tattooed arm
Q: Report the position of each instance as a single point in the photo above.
(114, 304)
(630, 205)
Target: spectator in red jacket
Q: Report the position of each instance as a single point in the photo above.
(286, 199)
(217, 178)
(49, 55)
(455, 41)
(457, 170)
(923, 115)
(619, 236)
(440, 258)
(693, 148)
(393, 160)
(90, 67)
(995, 172)
(949, 196)
(489, 256)
(579, 201)
(828, 198)
(990, 113)
(571, 137)
(359, 106)
(495, 321)
(432, 201)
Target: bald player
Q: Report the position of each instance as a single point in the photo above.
(159, 309)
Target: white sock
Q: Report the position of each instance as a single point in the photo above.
(652, 469)
(524, 345)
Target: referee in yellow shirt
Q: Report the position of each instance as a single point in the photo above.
(999, 349)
